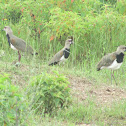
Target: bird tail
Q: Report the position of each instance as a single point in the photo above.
(51, 64)
(35, 53)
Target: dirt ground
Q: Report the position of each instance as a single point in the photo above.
(81, 87)
(103, 94)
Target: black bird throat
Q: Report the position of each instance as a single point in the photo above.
(119, 58)
(8, 37)
(66, 53)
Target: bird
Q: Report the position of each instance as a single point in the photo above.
(17, 43)
(112, 61)
(63, 54)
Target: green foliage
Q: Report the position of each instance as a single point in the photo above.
(120, 112)
(91, 22)
(67, 23)
(35, 15)
(48, 93)
(80, 112)
(11, 11)
(91, 113)
(108, 1)
(98, 26)
(121, 7)
(12, 104)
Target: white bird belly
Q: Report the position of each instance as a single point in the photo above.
(12, 47)
(113, 66)
(62, 58)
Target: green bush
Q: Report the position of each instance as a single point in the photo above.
(11, 11)
(45, 25)
(48, 93)
(67, 22)
(121, 7)
(12, 105)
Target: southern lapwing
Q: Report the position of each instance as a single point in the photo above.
(112, 61)
(63, 54)
(16, 43)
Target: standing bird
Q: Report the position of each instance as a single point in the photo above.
(63, 54)
(112, 60)
(16, 43)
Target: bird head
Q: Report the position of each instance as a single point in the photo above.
(121, 48)
(70, 38)
(7, 29)
(68, 43)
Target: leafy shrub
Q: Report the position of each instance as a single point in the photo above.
(12, 104)
(11, 11)
(121, 7)
(47, 24)
(67, 22)
(48, 93)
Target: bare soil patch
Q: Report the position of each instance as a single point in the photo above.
(82, 88)
(103, 94)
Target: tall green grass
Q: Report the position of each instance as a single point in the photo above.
(97, 28)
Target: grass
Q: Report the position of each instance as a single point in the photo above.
(92, 114)
(80, 112)
(86, 71)
(97, 28)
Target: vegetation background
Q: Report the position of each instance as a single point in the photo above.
(98, 27)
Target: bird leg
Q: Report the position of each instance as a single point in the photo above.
(19, 58)
(112, 75)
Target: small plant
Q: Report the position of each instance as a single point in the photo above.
(12, 104)
(49, 92)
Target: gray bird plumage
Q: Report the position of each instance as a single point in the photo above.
(108, 59)
(112, 61)
(17, 43)
(62, 54)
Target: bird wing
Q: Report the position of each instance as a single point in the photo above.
(107, 60)
(20, 45)
(56, 57)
